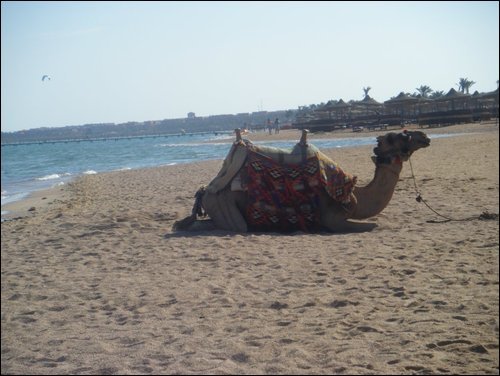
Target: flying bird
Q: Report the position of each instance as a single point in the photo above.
(45, 77)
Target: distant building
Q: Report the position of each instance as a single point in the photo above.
(191, 115)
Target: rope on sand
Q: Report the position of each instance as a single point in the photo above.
(483, 216)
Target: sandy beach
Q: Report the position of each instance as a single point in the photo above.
(94, 281)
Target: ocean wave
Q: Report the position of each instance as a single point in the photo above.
(194, 144)
(89, 172)
(53, 176)
(13, 197)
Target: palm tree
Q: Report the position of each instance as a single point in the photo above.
(461, 84)
(424, 90)
(437, 94)
(464, 85)
(366, 90)
(469, 84)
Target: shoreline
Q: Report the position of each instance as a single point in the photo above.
(41, 199)
(37, 200)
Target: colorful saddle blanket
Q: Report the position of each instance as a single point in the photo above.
(285, 197)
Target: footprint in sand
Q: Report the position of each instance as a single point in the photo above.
(240, 357)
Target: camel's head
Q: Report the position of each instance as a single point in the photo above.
(400, 145)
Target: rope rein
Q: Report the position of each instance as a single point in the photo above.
(484, 215)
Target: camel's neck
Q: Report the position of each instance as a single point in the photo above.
(373, 198)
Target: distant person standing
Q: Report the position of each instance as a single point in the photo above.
(269, 126)
(276, 126)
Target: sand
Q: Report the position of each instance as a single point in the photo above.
(95, 282)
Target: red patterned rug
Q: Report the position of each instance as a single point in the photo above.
(285, 197)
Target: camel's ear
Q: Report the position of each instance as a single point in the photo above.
(408, 134)
(391, 139)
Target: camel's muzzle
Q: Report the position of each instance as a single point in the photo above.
(425, 142)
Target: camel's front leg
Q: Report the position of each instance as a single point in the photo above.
(334, 217)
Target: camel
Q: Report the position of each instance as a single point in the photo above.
(229, 205)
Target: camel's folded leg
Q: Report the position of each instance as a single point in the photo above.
(222, 208)
(334, 216)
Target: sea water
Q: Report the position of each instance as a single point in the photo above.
(31, 167)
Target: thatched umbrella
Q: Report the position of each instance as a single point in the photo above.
(454, 98)
(402, 101)
(490, 95)
(403, 104)
(402, 98)
(341, 104)
(341, 108)
(334, 107)
(476, 100)
(489, 100)
(369, 104)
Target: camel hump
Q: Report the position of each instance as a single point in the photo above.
(238, 134)
(303, 138)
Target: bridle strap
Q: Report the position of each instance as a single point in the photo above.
(389, 160)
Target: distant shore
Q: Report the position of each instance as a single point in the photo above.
(295, 134)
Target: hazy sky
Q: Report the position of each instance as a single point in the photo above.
(136, 61)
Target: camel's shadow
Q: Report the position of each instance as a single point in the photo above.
(212, 231)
